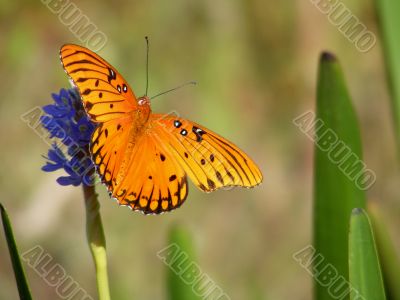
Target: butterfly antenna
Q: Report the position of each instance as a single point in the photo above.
(174, 89)
(147, 64)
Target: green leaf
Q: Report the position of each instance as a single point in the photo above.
(22, 284)
(365, 273)
(182, 265)
(389, 25)
(336, 183)
(387, 253)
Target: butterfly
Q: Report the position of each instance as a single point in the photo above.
(144, 158)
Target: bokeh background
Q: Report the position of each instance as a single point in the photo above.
(255, 62)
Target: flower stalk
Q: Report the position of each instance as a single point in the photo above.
(96, 240)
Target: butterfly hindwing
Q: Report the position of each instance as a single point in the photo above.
(138, 172)
(152, 181)
(105, 93)
(210, 161)
(107, 147)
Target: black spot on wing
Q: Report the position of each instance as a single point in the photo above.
(219, 177)
(88, 105)
(211, 184)
(111, 75)
(198, 132)
(86, 92)
(177, 123)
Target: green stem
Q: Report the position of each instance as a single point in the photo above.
(96, 240)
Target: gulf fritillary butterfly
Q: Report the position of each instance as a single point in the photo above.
(143, 158)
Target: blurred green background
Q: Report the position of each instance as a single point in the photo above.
(255, 62)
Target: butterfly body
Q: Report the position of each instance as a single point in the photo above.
(143, 158)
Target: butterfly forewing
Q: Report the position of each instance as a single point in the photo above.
(105, 93)
(210, 161)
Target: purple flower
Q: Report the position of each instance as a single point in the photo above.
(68, 124)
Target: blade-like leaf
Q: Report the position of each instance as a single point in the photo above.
(22, 284)
(387, 254)
(336, 183)
(365, 273)
(183, 270)
(389, 24)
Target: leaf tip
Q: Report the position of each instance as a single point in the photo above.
(328, 56)
(357, 211)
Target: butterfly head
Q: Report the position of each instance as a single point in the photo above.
(144, 100)
(143, 110)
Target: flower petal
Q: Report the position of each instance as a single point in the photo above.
(68, 180)
(51, 167)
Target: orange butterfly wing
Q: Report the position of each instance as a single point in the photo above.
(108, 146)
(139, 173)
(210, 161)
(153, 180)
(105, 94)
